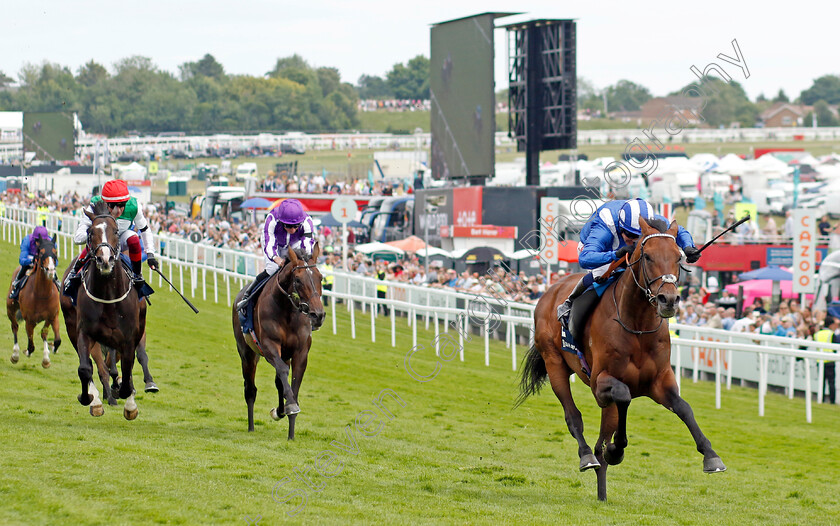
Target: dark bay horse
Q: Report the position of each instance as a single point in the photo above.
(286, 312)
(107, 313)
(628, 346)
(37, 302)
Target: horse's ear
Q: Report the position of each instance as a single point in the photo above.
(316, 251)
(89, 214)
(53, 238)
(293, 257)
(643, 224)
(674, 229)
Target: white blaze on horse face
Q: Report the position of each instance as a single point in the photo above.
(49, 267)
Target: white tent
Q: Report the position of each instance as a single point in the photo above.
(378, 248)
(731, 164)
(134, 171)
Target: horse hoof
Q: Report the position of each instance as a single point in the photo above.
(589, 462)
(713, 465)
(130, 415)
(275, 415)
(14, 358)
(45, 364)
(28, 353)
(292, 409)
(97, 410)
(151, 387)
(613, 455)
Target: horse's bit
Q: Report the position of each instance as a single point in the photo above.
(300, 306)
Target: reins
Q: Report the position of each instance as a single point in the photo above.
(651, 297)
(300, 306)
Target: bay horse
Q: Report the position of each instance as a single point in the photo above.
(107, 313)
(627, 344)
(286, 312)
(37, 302)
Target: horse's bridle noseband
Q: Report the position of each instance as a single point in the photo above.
(114, 250)
(651, 297)
(294, 296)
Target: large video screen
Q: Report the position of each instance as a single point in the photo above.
(50, 135)
(463, 99)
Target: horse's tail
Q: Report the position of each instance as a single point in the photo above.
(533, 375)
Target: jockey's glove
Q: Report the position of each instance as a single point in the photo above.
(623, 251)
(692, 254)
(153, 262)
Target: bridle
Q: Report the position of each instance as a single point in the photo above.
(39, 260)
(646, 289)
(294, 296)
(92, 251)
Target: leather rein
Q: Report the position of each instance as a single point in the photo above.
(298, 304)
(646, 289)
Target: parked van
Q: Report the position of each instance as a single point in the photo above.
(712, 183)
(246, 170)
(769, 201)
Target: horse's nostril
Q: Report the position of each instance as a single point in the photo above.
(662, 298)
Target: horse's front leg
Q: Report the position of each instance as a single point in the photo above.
(281, 381)
(30, 334)
(610, 390)
(102, 369)
(86, 376)
(299, 362)
(609, 422)
(45, 332)
(127, 385)
(667, 394)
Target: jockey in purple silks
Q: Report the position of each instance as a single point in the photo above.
(287, 227)
(28, 251)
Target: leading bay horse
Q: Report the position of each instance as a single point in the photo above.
(628, 346)
(286, 312)
(37, 302)
(107, 313)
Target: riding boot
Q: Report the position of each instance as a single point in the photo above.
(565, 308)
(71, 283)
(18, 283)
(137, 268)
(248, 291)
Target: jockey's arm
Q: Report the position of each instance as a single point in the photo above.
(308, 241)
(597, 248)
(25, 257)
(270, 238)
(684, 238)
(145, 233)
(80, 235)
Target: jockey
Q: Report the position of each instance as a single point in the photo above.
(611, 233)
(287, 227)
(126, 211)
(28, 250)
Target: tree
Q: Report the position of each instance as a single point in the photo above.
(329, 79)
(825, 88)
(91, 74)
(727, 103)
(5, 80)
(627, 96)
(293, 62)
(373, 87)
(206, 67)
(825, 117)
(781, 97)
(760, 98)
(410, 81)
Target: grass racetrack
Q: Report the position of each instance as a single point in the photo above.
(455, 453)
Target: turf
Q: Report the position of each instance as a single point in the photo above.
(454, 453)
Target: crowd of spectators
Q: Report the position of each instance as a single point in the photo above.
(395, 105)
(316, 184)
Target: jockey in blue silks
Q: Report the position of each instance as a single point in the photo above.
(610, 234)
(28, 251)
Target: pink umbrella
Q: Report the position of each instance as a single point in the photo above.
(761, 288)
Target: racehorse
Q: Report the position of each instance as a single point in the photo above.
(107, 313)
(285, 314)
(626, 342)
(37, 302)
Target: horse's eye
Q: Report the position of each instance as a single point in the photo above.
(647, 258)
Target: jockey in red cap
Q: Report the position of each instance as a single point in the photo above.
(126, 211)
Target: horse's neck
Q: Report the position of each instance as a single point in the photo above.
(633, 303)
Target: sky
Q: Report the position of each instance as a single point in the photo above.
(651, 43)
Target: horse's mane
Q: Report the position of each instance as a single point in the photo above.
(659, 224)
(299, 252)
(100, 208)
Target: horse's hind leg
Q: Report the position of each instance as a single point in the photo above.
(670, 398)
(298, 369)
(111, 364)
(11, 310)
(56, 334)
(609, 390)
(45, 333)
(103, 371)
(558, 376)
(143, 358)
(127, 385)
(30, 334)
(249, 369)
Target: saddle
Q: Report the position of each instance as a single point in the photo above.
(247, 321)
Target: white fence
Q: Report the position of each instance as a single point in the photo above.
(786, 363)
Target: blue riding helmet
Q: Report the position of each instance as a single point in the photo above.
(631, 211)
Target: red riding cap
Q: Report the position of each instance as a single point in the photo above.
(115, 191)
